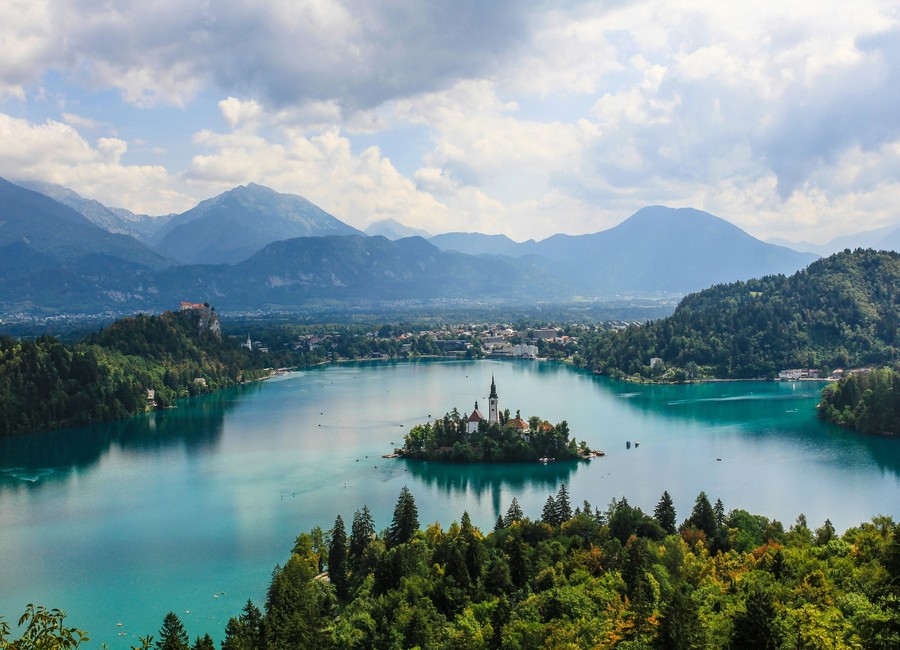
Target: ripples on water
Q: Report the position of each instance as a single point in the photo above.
(130, 520)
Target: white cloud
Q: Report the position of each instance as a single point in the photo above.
(236, 111)
(355, 52)
(79, 121)
(26, 44)
(55, 152)
(515, 117)
(357, 189)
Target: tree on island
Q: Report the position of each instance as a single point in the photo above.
(512, 441)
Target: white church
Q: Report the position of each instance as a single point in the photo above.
(493, 411)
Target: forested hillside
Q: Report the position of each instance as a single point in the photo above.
(866, 401)
(575, 578)
(45, 384)
(841, 311)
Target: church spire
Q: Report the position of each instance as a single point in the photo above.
(493, 408)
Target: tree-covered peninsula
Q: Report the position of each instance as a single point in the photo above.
(867, 401)
(574, 577)
(134, 365)
(840, 312)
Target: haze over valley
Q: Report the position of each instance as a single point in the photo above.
(253, 248)
(486, 324)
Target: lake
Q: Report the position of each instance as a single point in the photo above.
(190, 509)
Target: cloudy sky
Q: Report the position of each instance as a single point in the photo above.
(518, 117)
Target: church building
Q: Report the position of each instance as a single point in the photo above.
(493, 411)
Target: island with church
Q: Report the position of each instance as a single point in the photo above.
(473, 438)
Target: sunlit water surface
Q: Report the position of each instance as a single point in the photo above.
(189, 510)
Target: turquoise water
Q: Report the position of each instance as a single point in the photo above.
(190, 510)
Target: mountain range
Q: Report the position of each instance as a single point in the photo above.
(254, 248)
(115, 220)
(658, 249)
(886, 239)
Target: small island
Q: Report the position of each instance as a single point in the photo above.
(496, 438)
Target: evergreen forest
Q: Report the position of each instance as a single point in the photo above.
(866, 401)
(842, 311)
(576, 577)
(46, 384)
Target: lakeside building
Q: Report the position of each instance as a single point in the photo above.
(523, 350)
(793, 374)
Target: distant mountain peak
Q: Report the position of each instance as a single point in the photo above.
(393, 229)
(233, 225)
(61, 232)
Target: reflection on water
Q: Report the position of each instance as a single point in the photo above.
(155, 513)
(196, 425)
(477, 484)
(480, 478)
(781, 412)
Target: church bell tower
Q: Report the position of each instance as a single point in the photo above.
(493, 409)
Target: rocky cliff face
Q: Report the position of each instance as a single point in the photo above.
(206, 319)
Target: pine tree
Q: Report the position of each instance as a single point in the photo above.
(719, 510)
(563, 507)
(638, 560)
(204, 643)
(514, 513)
(245, 631)
(664, 513)
(337, 558)
(361, 532)
(754, 628)
(703, 517)
(679, 625)
(406, 519)
(172, 635)
(548, 515)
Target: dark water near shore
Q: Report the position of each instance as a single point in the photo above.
(189, 510)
